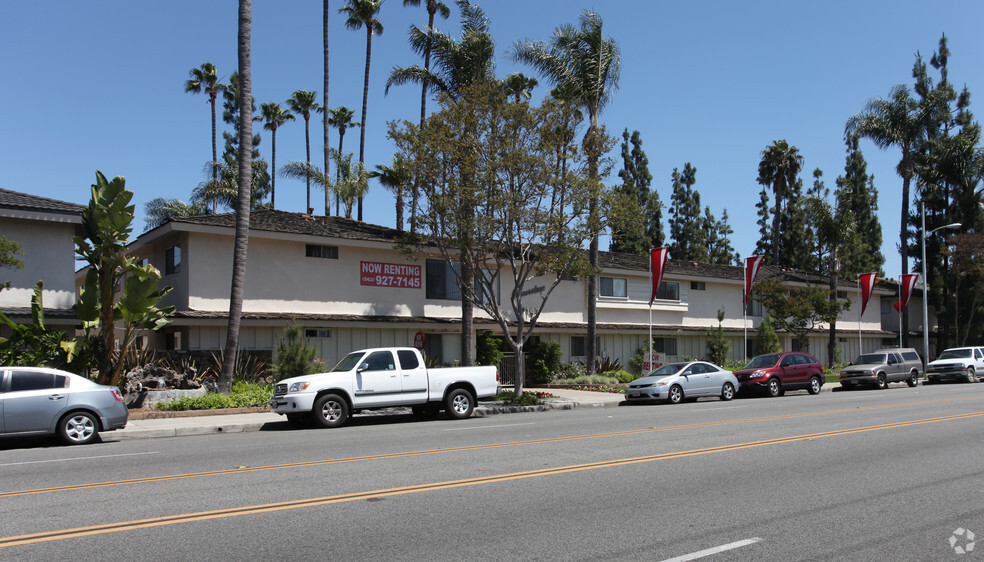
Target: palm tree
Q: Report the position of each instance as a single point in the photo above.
(273, 116)
(302, 102)
(359, 14)
(159, 210)
(896, 121)
(310, 173)
(780, 165)
(206, 79)
(433, 8)
(242, 206)
(395, 177)
(519, 86)
(354, 181)
(341, 119)
(324, 102)
(584, 67)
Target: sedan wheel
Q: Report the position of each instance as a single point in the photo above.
(78, 428)
(727, 391)
(775, 387)
(676, 394)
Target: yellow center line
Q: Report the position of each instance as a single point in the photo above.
(323, 462)
(326, 500)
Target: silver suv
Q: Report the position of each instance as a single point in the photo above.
(882, 367)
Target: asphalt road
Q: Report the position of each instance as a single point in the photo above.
(863, 475)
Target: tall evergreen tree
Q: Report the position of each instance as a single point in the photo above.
(721, 251)
(764, 212)
(688, 230)
(636, 182)
(230, 156)
(856, 193)
(795, 230)
(780, 165)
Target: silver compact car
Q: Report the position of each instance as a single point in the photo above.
(38, 401)
(678, 381)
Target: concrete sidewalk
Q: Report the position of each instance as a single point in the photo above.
(563, 399)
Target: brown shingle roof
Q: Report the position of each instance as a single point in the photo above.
(26, 202)
(270, 220)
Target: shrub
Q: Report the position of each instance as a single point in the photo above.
(243, 395)
(294, 357)
(568, 371)
(588, 379)
(622, 376)
(544, 359)
(487, 349)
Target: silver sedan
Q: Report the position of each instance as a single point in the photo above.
(37, 401)
(678, 381)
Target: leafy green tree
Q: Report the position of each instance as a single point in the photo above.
(361, 14)
(778, 169)
(303, 102)
(544, 360)
(519, 86)
(525, 223)
(797, 310)
(341, 119)
(767, 340)
(636, 188)
(228, 168)
(206, 79)
(294, 357)
(273, 117)
(116, 288)
(8, 252)
(717, 345)
(245, 162)
(584, 67)
(159, 210)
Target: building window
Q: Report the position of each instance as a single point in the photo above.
(668, 291)
(172, 341)
(172, 260)
(442, 280)
(754, 308)
(797, 344)
(318, 251)
(433, 349)
(579, 346)
(698, 286)
(317, 333)
(842, 295)
(614, 287)
(667, 346)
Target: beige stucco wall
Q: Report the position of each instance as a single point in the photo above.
(48, 256)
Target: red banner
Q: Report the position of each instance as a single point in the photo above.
(867, 282)
(752, 265)
(908, 283)
(657, 259)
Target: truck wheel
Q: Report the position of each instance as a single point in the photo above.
(913, 379)
(881, 383)
(330, 410)
(459, 404)
(971, 376)
(815, 385)
(425, 413)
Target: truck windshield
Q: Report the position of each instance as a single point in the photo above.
(347, 363)
(955, 354)
(870, 359)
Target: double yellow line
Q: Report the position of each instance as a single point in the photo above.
(313, 502)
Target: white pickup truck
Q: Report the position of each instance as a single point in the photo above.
(370, 379)
(961, 363)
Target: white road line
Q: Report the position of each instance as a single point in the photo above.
(80, 458)
(486, 426)
(715, 550)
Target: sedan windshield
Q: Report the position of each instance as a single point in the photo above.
(763, 361)
(671, 369)
(871, 359)
(347, 363)
(955, 354)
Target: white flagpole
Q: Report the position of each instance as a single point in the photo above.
(744, 314)
(649, 342)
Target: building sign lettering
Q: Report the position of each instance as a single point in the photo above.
(376, 274)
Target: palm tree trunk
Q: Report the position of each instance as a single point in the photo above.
(904, 250)
(365, 104)
(307, 151)
(467, 313)
(338, 174)
(215, 156)
(242, 207)
(591, 144)
(325, 106)
(273, 169)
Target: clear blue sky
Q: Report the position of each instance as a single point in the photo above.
(99, 86)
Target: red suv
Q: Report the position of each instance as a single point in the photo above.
(778, 372)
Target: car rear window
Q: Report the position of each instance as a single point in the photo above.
(30, 380)
(910, 356)
(408, 359)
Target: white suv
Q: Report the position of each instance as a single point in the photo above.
(960, 363)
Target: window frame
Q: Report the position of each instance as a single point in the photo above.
(613, 283)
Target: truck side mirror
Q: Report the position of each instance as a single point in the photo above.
(362, 367)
